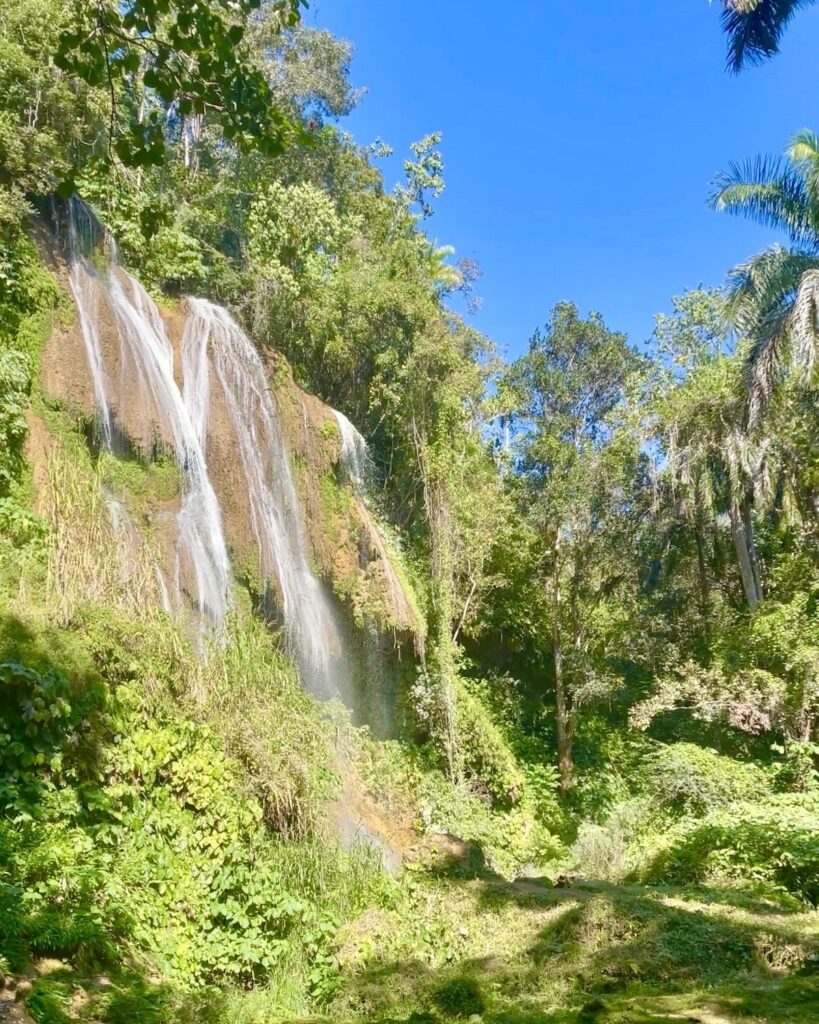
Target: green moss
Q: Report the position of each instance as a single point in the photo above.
(336, 505)
(329, 429)
(145, 482)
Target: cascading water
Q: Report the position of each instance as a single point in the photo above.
(85, 284)
(212, 337)
(357, 466)
(147, 358)
(355, 455)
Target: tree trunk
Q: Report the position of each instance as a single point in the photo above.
(702, 568)
(565, 765)
(748, 525)
(743, 552)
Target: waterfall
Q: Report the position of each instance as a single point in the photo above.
(357, 466)
(147, 359)
(355, 455)
(85, 286)
(213, 338)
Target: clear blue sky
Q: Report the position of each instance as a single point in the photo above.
(579, 140)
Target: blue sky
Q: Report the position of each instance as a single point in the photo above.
(579, 140)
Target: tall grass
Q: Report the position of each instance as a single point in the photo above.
(252, 692)
(88, 561)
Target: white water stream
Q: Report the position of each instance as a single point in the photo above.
(355, 455)
(213, 338)
(86, 286)
(216, 354)
(147, 362)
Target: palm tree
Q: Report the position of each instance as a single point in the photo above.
(774, 296)
(754, 28)
(715, 466)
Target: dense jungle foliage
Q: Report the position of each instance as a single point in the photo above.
(609, 764)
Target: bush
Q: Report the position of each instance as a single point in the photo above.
(600, 851)
(775, 843)
(686, 778)
(46, 731)
(139, 816)
(484, 751)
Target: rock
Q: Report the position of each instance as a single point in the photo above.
(23, 989)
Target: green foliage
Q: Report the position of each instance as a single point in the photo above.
(483, 751)
(15, 381)
(191, 60)
(424, 175)
(44, 115)
(39, 723)
(754, 28)
(505, 838)
(772, 294)
(28, 294)
(774, 842)
(695, 780)
(134, 810)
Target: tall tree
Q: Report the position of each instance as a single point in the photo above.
(577, 460)
(713, 462)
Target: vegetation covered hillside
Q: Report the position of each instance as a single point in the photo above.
(348, 670)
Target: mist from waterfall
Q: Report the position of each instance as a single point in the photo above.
(213, 339)
(147, 360)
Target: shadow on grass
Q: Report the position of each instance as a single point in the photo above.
(612, 953)
(60, 994)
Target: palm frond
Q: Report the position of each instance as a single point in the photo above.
(765, 359)
(804, 147)
(768, 191)
(803, 154)
(804, 323)
(764, 284)
(754, 28)
(762, 294)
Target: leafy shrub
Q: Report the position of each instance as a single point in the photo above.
(775, 843)
(27, 295)
(142, 813)
(484, 751)
(600, 851)
(799, 768)
(687, 778)
(45, 731)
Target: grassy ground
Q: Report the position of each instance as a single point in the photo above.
(529, 953)
(450, 949)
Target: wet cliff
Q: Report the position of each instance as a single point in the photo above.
(219, 484)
